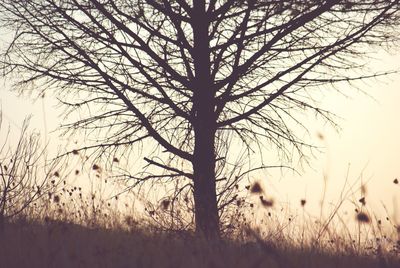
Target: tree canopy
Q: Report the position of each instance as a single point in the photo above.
(194, 77)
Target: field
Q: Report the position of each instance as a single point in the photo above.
(112, 242)
(57, 244)
(76, 216)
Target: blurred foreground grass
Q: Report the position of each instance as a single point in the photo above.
(51, 243)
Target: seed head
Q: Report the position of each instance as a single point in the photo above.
(362, 217)
(266, 203)
(165, 203)
(56, 199)
(256, 188)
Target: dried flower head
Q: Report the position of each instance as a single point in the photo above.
(56, 199)
(363, 217)
(303, 202)
(165, 203)
(362, 201)
(266, 203)
(256, 188)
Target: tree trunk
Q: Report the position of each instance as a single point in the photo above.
(2, 223)
(206, 212)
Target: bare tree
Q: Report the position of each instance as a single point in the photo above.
(24, 175)
(194, 77)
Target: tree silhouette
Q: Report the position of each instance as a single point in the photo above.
(194, 76)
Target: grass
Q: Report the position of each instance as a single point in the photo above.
(73, 225)
(71, 228)
(60, 244)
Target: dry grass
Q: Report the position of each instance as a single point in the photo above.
(59, 244)
(75, 225)
(71, 228)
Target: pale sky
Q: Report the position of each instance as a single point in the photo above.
(368, 145)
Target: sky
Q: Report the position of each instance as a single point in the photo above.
(365, 151)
